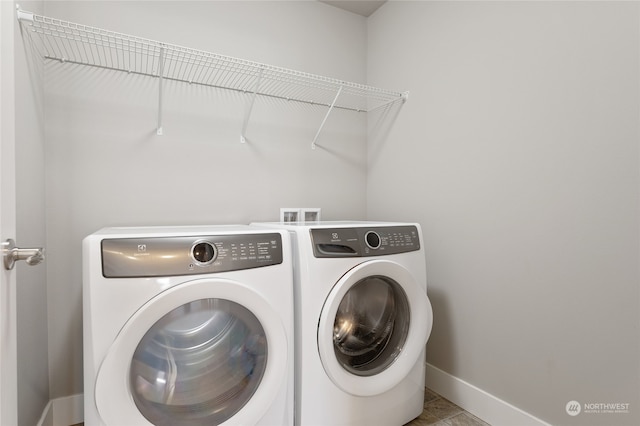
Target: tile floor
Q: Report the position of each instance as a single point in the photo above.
(439, 411)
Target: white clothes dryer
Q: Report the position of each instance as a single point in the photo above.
(362, 322)
(188, 326)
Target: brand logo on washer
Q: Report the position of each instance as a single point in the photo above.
(142, 247)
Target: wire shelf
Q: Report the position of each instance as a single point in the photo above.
(69, 42)
(81, 44)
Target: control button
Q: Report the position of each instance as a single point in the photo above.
(203, 252)
(372, 239)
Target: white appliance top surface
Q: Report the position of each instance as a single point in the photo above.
(178, 230)
(332, 224)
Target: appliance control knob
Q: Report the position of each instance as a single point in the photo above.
(372, 239)
(204, 253)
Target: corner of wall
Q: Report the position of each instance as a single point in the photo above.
(63, 411)
(478, 402)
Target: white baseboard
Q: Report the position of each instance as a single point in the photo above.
(65, 411)
(487, 407)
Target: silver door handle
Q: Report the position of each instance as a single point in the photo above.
(11, 254)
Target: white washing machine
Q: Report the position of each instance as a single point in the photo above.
(362, 322)
(188, 326)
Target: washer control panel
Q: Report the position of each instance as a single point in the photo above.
(364, 241)
(171, 256)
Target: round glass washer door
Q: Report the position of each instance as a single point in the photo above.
(373, 327)
(206, 352)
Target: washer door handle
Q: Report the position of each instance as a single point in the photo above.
(11, 254)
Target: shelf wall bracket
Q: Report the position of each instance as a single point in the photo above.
(22, 15)
(313, 144)
(247, 114)
(159, 131)
(403, 98)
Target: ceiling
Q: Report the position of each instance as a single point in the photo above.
(361, 7)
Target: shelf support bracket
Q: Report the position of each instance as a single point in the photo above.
(247, 114)
(403, 98)
(313, 144)
(160, 72)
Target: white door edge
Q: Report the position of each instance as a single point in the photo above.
(8, 338)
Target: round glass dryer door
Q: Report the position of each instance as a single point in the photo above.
(205, 352)
(373, 327)
(199, 364)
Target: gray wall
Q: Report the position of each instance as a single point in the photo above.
(31, 297)
(518, 153)
(105, 165)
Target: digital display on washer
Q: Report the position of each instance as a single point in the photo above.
(364, 241)
(171, 256)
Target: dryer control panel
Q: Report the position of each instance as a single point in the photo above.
(172, 256)
(364, 241)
